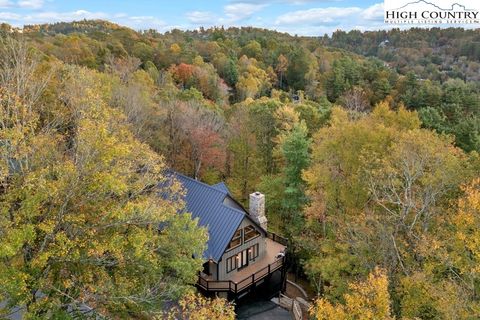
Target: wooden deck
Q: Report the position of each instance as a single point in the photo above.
(271, 250)
(252, 274)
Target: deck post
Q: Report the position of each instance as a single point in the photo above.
(284, 274)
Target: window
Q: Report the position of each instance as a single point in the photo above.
(236, 240)
(231, 263)
(253, 252)
(250, 233)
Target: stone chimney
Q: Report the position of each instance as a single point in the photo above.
(257, 209)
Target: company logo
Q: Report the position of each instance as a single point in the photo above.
(426, 12)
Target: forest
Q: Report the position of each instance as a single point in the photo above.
(364, 143)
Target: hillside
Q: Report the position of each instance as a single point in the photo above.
(435, 54)
(366, 151)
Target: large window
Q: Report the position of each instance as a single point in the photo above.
(250, 233)
(231, 264)
(236, 240)
(253, 252)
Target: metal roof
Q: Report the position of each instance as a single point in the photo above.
(221, 186)
(206, 203)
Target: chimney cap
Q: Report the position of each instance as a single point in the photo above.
(257, 193)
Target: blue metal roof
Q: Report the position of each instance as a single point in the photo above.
(221, 186)
(206, 203)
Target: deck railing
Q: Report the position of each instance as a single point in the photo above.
(236, 287)
(277, 238)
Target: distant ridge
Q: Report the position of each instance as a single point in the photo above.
(432, 4)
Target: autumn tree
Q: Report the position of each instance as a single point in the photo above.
(79, 218)
(355, 100)
(183, 73)
(20, 70)
(196, 307)
(378, 185)
(253, 81)
(227, 68)
(244, 164)
(201, 134)
(136, 98)
(264, 125)
(281, 68)
(366, 300)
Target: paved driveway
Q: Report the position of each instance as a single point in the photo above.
(263, 310)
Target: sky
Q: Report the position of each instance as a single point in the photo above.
(302, 17)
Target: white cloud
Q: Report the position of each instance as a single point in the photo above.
(318, 21)
(294, 2)
(5, 3)
(233, 14)
(201, 17)
(236, 12)
(134, 22)
(317, 16)
(321, 21)
(7, 16)
(31, 4)
(374, 12)
(143, 22)
(49, 16)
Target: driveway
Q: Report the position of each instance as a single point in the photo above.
(262, 310)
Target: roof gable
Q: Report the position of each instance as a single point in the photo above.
(206, 203)
(221, 186)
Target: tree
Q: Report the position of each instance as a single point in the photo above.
(379, 188)
(227, 69)
(136, 99)
(367, 300)
(417, 171)
(123, 68)
(201, 131)
(196, 307)
(295, 149)
(345, 74)
(19, 70)
(253, 81)
(253, 49)
(281, 68)
(183, 73)
(464, 242)
(298, 67)
(355, 100)
(244, 168)
(79, 218)
(262, 114)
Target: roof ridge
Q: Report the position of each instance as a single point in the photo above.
(198, 181)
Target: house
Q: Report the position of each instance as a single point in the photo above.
(384, 43)
(241, 254)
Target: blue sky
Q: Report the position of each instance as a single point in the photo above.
(303, 17)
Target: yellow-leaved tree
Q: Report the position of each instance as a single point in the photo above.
(366, 300)
(196, 307)
(80, 210)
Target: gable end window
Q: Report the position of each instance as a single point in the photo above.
(236, 240)
(250, 233)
